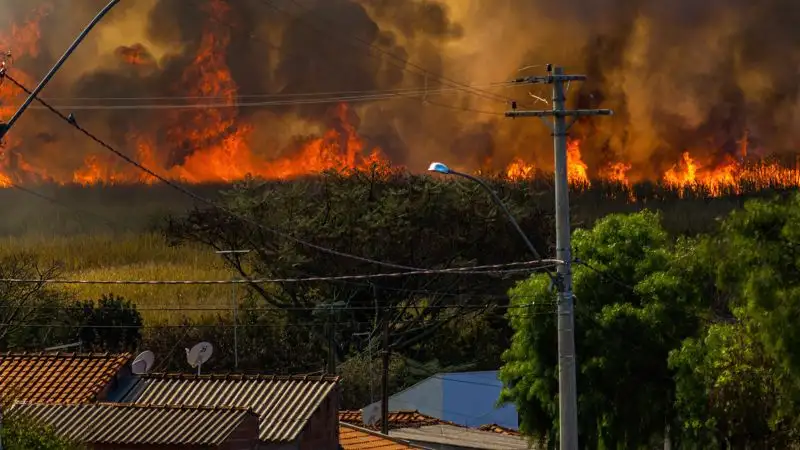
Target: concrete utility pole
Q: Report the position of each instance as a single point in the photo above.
(234, 307)
(567, 389)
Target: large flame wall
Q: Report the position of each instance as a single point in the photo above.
(701, 90)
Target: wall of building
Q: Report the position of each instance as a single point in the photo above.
(322, 430)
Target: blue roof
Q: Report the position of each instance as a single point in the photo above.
(465, 398)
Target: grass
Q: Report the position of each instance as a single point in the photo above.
(137, 256)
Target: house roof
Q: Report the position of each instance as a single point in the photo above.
(58, 377)
(134, 424)
(283, 403)
(396, 419)
(460, 437)
(494, 428)
(352, 437)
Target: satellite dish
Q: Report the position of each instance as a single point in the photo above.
(371, 414)
(143, 363)
(199, 354)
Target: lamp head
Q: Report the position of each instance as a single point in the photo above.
(439, 167)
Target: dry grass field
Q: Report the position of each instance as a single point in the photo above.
(131, 256)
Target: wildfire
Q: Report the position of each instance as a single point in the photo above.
(577, 170)
(520, 170)
(213, 144)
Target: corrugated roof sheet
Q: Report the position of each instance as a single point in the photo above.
(283, 403)
(352, 437)
(130, 424)
(461, 437)
(58, 377)
(396, 419)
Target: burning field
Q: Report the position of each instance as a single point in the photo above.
(283, 88)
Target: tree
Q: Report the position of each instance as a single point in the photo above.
(731, 393)
(111, 324)
(758, 263)
(31, 314)
(408, 220)
(633, 306)
(21, 433)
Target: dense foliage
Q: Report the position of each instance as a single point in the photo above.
(21, 433)
(691, 340)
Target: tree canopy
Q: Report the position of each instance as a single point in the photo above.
(688, 339)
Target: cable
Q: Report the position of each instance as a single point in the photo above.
(54, 201)
(476, 270)
(466, 88)
(501, 84)
(196, 197)
(212, 326)
(250, 104)
(276, 309)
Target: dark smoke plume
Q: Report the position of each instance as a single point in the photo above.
(680, 75)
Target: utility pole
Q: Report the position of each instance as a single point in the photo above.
(331, 341)
(385, 355)
(234, 307)
(567, 385)
(385, 379)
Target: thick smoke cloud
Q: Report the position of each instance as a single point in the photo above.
(680, 75)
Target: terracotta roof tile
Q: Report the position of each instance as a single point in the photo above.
(494, 428)
(397, 419)
(356, 438)
(58, 377)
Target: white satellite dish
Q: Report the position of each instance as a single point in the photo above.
(143, 363)
(371, 414)
(199, 354)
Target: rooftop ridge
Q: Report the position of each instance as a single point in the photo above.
(240, 377)
(139, 406)
(72, 355)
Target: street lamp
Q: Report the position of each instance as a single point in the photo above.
(443, 169)
(234, 307)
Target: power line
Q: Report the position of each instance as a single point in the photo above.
(320, 101)
(277, 309)
(322, 95)
(217, 325)
(201, 199)
(475, 270)
(405, 62)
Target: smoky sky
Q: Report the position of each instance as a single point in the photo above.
(680, 75)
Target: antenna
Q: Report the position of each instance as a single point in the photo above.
(143, 363)
(62, 347)
(199, 354)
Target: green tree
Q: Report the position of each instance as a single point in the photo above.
(730, 392)
(758, 263)
(633, 306)
(20, 433)
(111, 324)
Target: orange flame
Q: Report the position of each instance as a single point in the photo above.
(212, 144)
(577, 170)
(520, 170)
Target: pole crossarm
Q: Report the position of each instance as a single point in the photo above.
(549, 79)
(565, 113)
